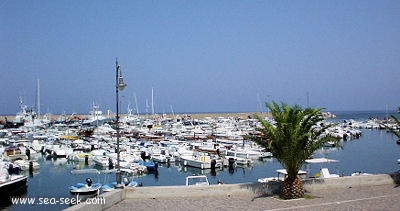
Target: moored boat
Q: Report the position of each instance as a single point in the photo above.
(200, 180)
(89, 188)
(10, 183)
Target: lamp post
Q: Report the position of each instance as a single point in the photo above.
(119, 85)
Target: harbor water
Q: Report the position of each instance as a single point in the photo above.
(374, 152)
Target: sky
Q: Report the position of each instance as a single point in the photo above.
(199, 56)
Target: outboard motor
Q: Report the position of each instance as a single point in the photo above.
(126, 181)
(110, 163)
(213, 164)
(86, 160)
(231, 164)
(143, 155)
(89, 182)
(10, 169)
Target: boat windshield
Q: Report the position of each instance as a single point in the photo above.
(196, 180)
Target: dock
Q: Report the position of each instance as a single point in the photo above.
(372, 192)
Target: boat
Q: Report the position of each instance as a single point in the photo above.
(111, 186)
(96, 117)
(151, 166)
(282, 175)
(202, 161)
(10, 183)
(79, 156)
(359, 173)
(102, 160)
(200, 180)
(14, 153)
(88, 188)
(160, 158)
(27, 164)
(240, 161)
(244, 153)
(324, 172)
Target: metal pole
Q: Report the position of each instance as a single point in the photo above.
(118, 173)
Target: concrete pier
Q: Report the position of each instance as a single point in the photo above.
(372, 192)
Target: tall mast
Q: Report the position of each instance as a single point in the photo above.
(172, 110)
(38, 97)
(152, 101)
(137, 106)
(147, 107)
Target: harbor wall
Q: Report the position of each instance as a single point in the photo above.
(313, 185)
(225, 190)
(109, 198)
(236, 190)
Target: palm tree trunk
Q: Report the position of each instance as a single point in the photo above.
(292, 188)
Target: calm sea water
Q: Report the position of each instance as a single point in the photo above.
(375, 151)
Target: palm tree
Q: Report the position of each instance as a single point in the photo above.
(395, 132)
(293, 137)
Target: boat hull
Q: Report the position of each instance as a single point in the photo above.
(15, 185)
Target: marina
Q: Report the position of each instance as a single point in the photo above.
(166, 154)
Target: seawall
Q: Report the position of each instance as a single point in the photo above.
(235, 190)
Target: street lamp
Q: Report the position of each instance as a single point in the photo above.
(119, 85)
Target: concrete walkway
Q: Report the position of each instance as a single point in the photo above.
(377, 197)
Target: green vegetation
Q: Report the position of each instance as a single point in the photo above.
(395, 131)
(292, 138)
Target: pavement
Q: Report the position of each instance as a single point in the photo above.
(377, 197)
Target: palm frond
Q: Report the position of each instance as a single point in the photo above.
(294, 135)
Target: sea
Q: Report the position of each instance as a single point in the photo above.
(374, 152)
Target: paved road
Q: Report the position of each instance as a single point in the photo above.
(382, 197)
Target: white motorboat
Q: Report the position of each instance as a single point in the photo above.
(160, 158)
(200, 180)
(281, 176)
(244, 153)
(324, 172)
(88, 188)
(200, 161)
(240, 161)
(101, 160)
(10, 183)
(27, 164)
(79, 156)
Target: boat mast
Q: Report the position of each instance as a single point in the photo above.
(38, 97)
(172, 110)
(152, 101)
(137, 106)
(147, 108)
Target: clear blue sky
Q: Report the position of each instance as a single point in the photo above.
(200, 56)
